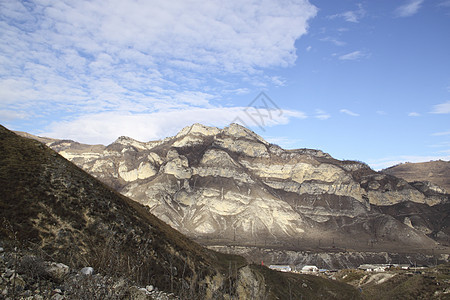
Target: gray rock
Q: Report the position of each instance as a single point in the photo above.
(138, 294)
(87, 271)
(9, 273)
(58, 270)
(57, 297)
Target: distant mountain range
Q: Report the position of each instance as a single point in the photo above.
(231, 187)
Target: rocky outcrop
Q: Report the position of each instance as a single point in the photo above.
(230, 185)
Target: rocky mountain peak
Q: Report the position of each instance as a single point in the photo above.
(238, 131)
(124, 140)
(198, 129)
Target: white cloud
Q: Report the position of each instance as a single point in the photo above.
(381, 112)
(441, 133)
(10, 115)
(105, 127)
(353, 16)
(308, 48)
(443, 108)
(441, 145)
(413, 114)
(322, 115)
(90, 57)
(333, 41)
(410, 8)
(349, 112)
(355, 55)
(278, 81)
(382, 163)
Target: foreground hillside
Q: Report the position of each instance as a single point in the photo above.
(230, 187)
(54, 212)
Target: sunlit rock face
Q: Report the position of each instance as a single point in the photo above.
(230, 185)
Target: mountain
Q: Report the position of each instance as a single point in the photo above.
(435, 172)
(53, 209)
(231, 187)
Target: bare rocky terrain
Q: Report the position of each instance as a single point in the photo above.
(66, 235)
(230, 187)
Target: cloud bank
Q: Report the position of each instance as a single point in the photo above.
(105, 127)
(80, 59)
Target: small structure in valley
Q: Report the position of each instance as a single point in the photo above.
(281, 268)
(310, 269)
(374, 267)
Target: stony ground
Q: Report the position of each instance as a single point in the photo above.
(25, 276)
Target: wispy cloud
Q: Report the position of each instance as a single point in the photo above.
(355, 55)
(441, 145)
(410, 8)
(77, 58)
(443, 108)
(414, 114)
(441, 133)
(445, 3)
(322, 115)
(333, 41)
(349, 112)
(9, 115)
(353, 16)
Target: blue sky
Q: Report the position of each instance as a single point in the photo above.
(363, 80)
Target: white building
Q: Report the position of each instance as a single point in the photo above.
(374, 267)
(310, 269)
(282, 268)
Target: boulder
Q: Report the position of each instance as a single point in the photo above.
(87, 271)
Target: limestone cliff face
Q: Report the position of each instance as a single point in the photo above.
(231, 185)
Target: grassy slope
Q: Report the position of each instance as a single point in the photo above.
(428, 284)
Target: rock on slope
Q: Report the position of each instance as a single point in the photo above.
(230, 186)
(52, 209)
